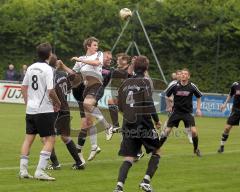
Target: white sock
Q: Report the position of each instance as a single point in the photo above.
(93, 136)
(43, 160)
(188, 131)
(120, 184)
(147, 177)
(24, 162)
(165, 124)
(79, 147)
(98, 114)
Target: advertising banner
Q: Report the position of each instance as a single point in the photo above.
(11, 93)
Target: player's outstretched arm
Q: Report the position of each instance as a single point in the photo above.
(61, 65)
(95, 62)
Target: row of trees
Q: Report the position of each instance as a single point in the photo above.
(203, 35)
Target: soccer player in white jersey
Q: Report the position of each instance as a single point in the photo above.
(176, 76)
(41, 100)
(90, 66)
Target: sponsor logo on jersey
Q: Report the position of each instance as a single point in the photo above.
(183, 93)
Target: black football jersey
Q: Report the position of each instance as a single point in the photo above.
(135, 101)
(62, 88)
(183, 96)
(235, 93)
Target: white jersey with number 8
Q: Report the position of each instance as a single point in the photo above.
(39, 79)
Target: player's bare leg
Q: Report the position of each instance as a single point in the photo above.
(24, 158)
(89, 106)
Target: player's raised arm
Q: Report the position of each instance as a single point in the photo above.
(61, 65)
(95, 62)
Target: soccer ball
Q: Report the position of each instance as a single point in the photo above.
(125, 13)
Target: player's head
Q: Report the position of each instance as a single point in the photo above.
(185, 74)
(141, 64)
(178, 75)
(107, 58)
(122, 60)
(53, 61)
(44, 51)
(91, 45)
(174, 76)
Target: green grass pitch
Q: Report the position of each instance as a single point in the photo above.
(179, 170)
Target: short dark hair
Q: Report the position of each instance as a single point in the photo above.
(53, 60)
(44, 51)
(124, 56)
(186, 69)
(88, 42)
(141, 64)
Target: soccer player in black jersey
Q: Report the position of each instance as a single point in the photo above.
(117, 75)
(63, 85)
(176, 76)
(234, 117)
(136, 103)
(182, 109)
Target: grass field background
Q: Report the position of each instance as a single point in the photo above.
(179, 170)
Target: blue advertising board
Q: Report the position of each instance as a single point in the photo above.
(210, 105)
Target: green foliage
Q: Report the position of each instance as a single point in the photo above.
(203, 35)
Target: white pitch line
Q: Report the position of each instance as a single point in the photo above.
(119, 159)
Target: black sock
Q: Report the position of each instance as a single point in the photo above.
(53, 157)
(123, 171)
(81, 139)
(224, 137)
(195, 142)
(73, 151)
(152, 166)
(113, 110)
(162, 140)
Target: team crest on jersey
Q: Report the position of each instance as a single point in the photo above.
(182, 93)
